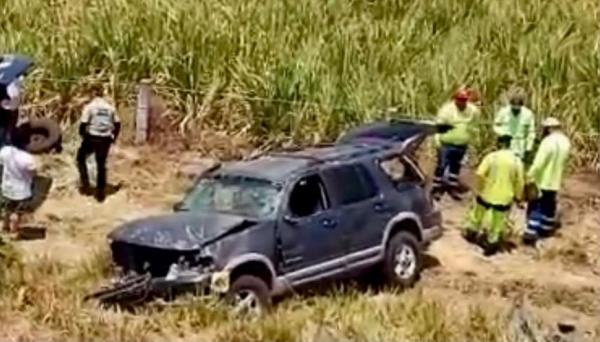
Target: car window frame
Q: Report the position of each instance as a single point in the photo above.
(370, 179)
(325, 196)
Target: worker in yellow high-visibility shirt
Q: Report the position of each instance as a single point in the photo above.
(452, 145)
(546, 172)
(517, 121)
(500, 182)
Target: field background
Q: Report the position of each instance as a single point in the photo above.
(307, 70)
(237, 75)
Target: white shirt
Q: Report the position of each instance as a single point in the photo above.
(101, 117)
(17, 176)
(13, 90)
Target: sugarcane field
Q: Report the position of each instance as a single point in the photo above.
(227, 170)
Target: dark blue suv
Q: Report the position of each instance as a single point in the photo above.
(258, 228)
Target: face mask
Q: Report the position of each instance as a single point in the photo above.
(515, 110)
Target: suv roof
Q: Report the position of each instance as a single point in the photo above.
(366, 140)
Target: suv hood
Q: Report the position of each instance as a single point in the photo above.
(180, 231)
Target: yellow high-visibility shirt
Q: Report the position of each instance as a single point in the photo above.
(502, 177)
(463, 122)
(520, 127)
(550, 162)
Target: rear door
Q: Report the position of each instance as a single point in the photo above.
(362, 208)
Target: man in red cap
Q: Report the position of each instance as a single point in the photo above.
(452, 145)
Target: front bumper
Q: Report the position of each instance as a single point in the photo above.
(137, 289)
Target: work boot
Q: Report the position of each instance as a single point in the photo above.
(529, 240)
(100, 196)
(491, 248)
(455, 194)
(470, 236)
(85, 190)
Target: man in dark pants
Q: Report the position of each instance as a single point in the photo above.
(452, 145)
(546, 172)
(99, 128)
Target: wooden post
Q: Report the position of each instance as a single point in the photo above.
(142, 112)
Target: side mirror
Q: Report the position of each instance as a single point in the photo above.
(291, 219)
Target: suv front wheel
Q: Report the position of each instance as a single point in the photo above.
(402, 263)
(249, 296)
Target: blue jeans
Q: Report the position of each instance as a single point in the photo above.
(449, 158)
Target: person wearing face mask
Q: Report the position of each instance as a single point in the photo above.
(546, 173)
(452, 145)
(517, 121)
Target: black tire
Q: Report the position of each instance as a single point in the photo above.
(409, 273)
(249, 284)
(44, 135)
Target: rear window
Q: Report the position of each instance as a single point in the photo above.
(350, 184)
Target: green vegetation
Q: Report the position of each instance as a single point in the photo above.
(343, 60)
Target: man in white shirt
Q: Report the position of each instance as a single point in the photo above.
(99, 128)
(19, 169)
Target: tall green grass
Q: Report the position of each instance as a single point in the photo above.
(342, 60)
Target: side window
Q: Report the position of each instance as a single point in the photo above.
(350, 184)
(398, 169)
(307, 197)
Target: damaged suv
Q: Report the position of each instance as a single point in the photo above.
(254, 229)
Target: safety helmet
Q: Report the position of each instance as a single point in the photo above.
(551, 122)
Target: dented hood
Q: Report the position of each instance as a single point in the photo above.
(180, 231)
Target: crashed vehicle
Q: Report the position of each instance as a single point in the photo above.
(44, 134)
(256, 229)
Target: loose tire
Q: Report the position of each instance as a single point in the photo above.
(44, 135)
(249, 296)
(403, 260)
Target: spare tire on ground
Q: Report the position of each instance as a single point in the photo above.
(44, 135)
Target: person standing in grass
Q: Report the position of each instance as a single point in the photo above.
(546, 173)
(452, 145)
(19, 168)
(99, 129)
(500, 181)
(517, 121)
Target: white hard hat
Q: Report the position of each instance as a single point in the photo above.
(551, 122)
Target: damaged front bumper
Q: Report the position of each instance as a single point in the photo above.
(135, 289)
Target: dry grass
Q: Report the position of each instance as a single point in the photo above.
(48, 295)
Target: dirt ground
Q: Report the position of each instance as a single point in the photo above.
(560, 280)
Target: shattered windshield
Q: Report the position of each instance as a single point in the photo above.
(234, 195)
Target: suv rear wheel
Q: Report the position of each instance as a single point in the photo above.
(402, 263)
(249, 296)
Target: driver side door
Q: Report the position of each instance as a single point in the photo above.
(308, 230)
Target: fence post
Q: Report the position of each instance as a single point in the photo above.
(142, 112)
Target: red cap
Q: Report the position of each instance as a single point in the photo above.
(462, 95)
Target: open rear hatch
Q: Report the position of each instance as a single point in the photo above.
(409, 134)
